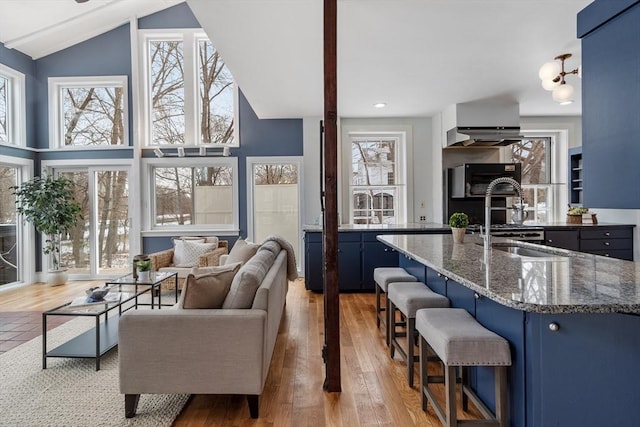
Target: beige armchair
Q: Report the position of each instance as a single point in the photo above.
(164, 261)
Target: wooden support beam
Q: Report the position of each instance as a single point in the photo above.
(330, 222)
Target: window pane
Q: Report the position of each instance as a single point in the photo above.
(75, 248)
(113, 221)
(93, 115)
(8, 242)
(533, 155)
(190, 195)
(4, 108)
(167, 92)
(216, 96)
(373, 162)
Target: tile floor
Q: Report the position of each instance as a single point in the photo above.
(21, 326)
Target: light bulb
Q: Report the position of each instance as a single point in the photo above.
(549, 70)
(563, 94)
(549, 84)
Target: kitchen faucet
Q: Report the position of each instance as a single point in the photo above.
(487, 205)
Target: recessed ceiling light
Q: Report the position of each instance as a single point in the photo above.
(380, 104)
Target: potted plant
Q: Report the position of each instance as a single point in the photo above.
(458, 222)
(143, 267)
(48, 203)
(574, 215)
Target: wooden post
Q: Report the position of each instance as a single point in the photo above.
(330, 226)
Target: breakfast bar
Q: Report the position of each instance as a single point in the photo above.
(571, 320)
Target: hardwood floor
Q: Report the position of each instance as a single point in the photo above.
(374, 387)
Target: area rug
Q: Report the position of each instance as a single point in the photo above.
(70, 392)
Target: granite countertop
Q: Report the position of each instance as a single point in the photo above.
(425, 226)
(570, 283)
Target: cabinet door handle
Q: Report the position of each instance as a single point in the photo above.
(476, 295)
(386, 249)
(550, 241)
(553, 326)
(607, 234)
(607, 243)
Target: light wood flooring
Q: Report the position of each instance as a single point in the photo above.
(374, 387)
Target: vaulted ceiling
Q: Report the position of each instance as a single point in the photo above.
(418, 56)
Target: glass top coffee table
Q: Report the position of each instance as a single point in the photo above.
(97, 341)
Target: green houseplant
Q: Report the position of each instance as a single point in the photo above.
(143, 267)
(458, 222)
(48, 203)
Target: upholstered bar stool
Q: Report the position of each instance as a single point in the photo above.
(408, 297)
(382, 276)
(459, 340)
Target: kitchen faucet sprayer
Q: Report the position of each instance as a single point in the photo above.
(487, 205)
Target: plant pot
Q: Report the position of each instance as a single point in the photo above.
(57, 277)
(458, 234)
(143, 276)
(574, 219)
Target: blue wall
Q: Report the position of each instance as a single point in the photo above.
(110, 54)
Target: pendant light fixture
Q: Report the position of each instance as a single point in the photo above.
(552, 75)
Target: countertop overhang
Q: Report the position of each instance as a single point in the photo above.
(570, 282)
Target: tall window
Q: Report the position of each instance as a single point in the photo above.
(12, 106)
(88, 111)
(194, 195)
(8, 226)
(535, 156)
(376, 191)
(191, 96)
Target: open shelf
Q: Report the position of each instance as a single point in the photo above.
(575, 176)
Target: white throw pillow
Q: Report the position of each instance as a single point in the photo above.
(178, 251)
(192, 252)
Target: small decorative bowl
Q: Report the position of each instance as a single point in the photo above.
(97, 293)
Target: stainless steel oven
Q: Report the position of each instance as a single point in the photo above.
(472, 179)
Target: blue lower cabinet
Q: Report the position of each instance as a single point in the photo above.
(461, 296)
(349, 266)
(585, 373)
(375, 254)
(509, 324)
(313, 266)
(413, 267)
(436, 281)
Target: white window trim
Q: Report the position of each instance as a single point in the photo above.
(25, 233)
(148, 201)
(190, 38)
(56, 137)
(404, 166)
(16, 108)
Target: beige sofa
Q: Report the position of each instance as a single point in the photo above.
(203, 351)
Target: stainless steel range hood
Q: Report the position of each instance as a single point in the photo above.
(497, 136)
(482, 124)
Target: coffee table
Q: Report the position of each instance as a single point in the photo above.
(98, 340)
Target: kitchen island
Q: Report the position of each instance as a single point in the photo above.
(571, 320)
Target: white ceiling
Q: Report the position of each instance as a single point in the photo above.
(418, 56)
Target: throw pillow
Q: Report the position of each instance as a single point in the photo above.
(178, 249)
(209, 290)
(242, 251)
(247, 281)
(270, 245)
(192, 252)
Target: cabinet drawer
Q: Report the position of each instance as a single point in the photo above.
(626, 254)
(349, 237)
(604, 233)
(605, 244)
(313, 237)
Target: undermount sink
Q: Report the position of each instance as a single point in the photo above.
(515, 249)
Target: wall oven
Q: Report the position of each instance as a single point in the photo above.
(472, 179)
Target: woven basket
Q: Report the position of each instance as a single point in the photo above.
(574, 219)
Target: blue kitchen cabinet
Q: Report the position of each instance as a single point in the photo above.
(610, 33)
(375, 254)
(413, 267)
(313, 262)
(349, 261)
(461, 296)
(436, 281)
(509, 324)
(564, 366)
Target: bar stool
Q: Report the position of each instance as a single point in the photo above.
(382, 276)
(408, 297)
(459, 340)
